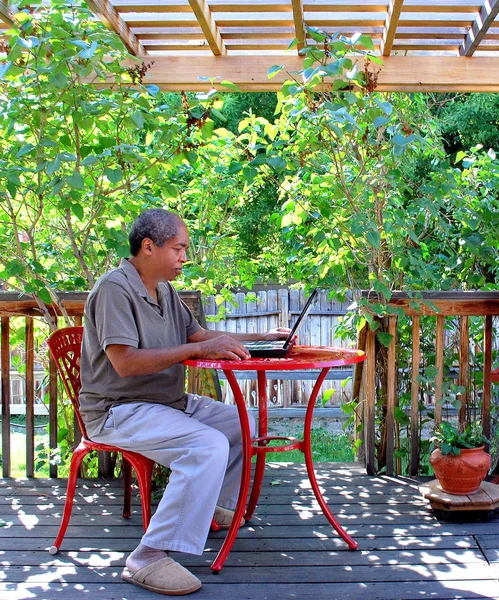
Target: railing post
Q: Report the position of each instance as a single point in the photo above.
(30, 397)
(5, 363)
(463, 380)
(391, 394)
(439, 365)
(416, 361)
(370, 406)
(53, 405)
(487, 367)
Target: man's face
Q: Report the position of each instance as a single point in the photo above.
(171, 256)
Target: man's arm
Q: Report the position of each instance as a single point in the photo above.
(129, 361)
(204, 343)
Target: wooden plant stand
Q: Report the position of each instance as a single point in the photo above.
(485, 499)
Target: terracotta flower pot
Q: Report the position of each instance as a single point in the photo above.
(461, 475)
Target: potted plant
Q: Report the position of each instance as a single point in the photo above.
(460, 461)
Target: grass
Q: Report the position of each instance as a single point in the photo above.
(326, 447)
(18, 445)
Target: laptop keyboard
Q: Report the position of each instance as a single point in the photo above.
(262, 345)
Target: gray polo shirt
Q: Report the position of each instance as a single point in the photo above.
(119, 310)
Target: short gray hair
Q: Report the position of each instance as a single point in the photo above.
(157, 224)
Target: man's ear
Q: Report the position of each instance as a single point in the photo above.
(147, 246)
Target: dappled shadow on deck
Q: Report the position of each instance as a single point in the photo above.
(287, 551)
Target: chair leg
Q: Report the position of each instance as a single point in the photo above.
(127, 488)
(78, 455)
(143, 468)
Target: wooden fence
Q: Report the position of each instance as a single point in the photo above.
(258, 312)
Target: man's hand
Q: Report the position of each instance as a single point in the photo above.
(222, 347)
(281, 333)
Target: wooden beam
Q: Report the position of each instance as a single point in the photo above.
(480, 26)
(111, 18)
(391, 24)
(6, 13)
(299, 20)
(207, 23)
(399, 73)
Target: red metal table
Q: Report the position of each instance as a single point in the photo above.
(300, 358)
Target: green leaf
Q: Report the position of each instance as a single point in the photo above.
(216, 113)
(234, 168)
(276, 162)
(385, 338)
(273, 71)
(315, 34)
(366, 41)
(88, 52)
(60, 80)
(383, 289)
(77, 210)
(386, 107)
(373, 238)
(91, 159)
(76, 181)
(113, 175)
(44, 295)
(138, 119)
(230, 85)
(152, 89)
(15, 267)
(53, 166)
(26, 149)
(170, 190)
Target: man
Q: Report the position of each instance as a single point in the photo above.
(137, 333)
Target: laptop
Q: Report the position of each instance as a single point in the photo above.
(277, 348)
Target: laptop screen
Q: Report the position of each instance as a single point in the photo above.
(302, 316)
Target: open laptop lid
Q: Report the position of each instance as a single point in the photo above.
(302, 316)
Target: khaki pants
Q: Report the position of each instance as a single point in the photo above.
(201, 446)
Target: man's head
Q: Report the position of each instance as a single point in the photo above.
(156, 224)
(158, 244)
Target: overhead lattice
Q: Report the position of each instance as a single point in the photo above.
(437, 40)
(245, 26)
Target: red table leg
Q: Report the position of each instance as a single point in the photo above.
(245, 475)
(307, 450)
(262, 432)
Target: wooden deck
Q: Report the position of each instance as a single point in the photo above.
(288, 551)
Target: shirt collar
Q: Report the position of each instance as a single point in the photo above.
(136, 282)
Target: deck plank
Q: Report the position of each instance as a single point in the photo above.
(287, 551)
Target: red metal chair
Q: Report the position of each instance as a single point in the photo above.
(65, 347)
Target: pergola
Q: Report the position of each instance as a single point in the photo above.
(439, 45)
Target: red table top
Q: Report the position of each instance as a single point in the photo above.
(300, 357)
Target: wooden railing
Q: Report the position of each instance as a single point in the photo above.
(71, 306)
(443, 308)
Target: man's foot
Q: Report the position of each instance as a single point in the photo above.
(143, 556)
(164, 576)
(223, 517)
